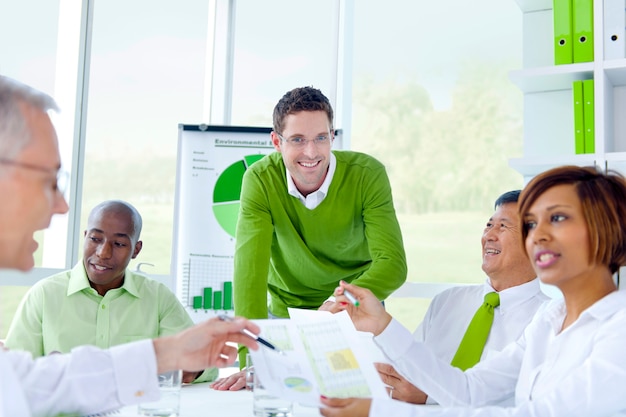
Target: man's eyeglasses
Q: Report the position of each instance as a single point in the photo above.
(62, 177)
(300, 142)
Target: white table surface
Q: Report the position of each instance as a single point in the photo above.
(199, 400)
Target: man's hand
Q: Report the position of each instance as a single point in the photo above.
(345, 407)
(401, 389)
(235, 382)
(204, 345)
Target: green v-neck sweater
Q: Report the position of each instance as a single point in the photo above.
(298, 255)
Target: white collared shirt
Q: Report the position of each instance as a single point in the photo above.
(316, 197)
(451, 311)
(578, 372)
(123, 375)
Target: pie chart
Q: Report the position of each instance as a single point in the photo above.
(226, 193)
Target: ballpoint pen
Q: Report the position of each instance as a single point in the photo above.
(248, 333)
(351, 297)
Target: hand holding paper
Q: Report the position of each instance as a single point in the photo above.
(323, 355)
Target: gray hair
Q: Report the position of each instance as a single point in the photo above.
(14, 133)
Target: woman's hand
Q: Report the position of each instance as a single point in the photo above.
(345, 407)
(369, 315)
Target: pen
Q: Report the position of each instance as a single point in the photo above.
(351, 297)
(248, 333)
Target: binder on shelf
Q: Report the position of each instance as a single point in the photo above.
(614, 29)
(579, 127)
(588, 115)
(563, 49)
(582, 30)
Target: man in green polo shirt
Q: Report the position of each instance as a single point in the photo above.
(100, 302)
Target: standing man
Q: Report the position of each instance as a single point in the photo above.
(88, 380)
(310, 217)
(100, 301)
(509, 273)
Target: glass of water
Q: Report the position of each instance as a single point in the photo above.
(264, 403)
(169, 404)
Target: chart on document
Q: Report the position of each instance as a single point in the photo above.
(336, 369)
(211, 163)
(320, 354)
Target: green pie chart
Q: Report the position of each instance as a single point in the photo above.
(226, 193)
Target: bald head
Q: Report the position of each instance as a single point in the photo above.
(119, 208)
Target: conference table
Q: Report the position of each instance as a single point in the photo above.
(199, 400)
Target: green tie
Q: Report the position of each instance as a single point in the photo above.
(471, 347)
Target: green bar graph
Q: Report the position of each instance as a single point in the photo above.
(228, 295)
(197, 302)
(208, 297)
(217, 300)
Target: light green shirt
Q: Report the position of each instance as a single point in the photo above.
(62, 311)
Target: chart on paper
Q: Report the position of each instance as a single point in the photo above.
(336, 369)
(322, 354)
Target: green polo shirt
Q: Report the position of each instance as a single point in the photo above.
(62, 311)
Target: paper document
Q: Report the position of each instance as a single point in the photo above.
(322, 354)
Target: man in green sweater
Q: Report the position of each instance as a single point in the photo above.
(310, 217)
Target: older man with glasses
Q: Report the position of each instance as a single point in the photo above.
(64, 383)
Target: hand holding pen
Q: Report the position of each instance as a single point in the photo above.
(366, 311)
(248, 333)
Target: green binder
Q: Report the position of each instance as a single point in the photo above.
(582, 30)
(579, 124)
(588, 114)
(563, 50)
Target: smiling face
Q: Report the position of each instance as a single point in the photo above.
(558, 241)
(504, 259)
(110, 243)
(307, 165)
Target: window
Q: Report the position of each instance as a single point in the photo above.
(429, 97)
(432, 100)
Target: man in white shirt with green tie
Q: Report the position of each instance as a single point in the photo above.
(510, 275)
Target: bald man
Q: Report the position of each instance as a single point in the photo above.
(100, 302)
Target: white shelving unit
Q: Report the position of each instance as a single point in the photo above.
(548, 101)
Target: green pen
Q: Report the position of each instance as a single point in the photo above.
(351, 297)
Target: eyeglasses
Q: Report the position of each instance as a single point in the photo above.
(300, 142)
(62, 176)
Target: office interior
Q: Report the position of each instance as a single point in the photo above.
(422, 86)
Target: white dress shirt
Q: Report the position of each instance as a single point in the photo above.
(451, 311)
(316, 197)
(577, 372)
(88, 380)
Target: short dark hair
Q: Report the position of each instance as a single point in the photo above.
(506, 198)
(603, 200)
(301, 99)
